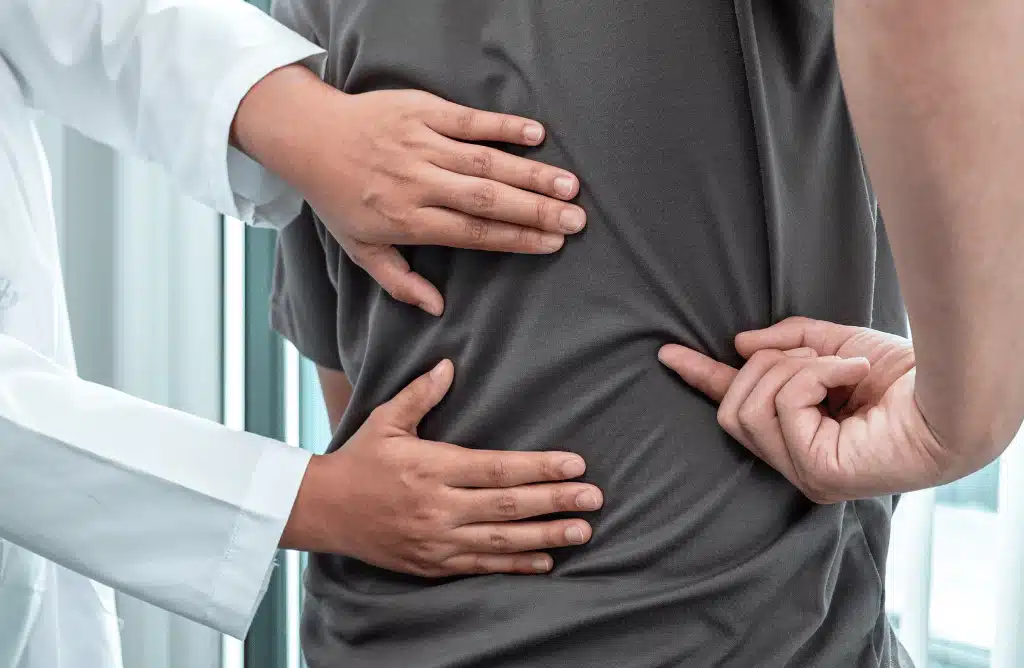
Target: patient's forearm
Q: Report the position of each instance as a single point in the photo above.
(937, 97)
(337, 392)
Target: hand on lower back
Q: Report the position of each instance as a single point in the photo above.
(830, 407)
(402, 167)
(433, 509)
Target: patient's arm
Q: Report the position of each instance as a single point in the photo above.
(337, 391)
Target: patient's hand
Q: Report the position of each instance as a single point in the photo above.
(829, 406)
(433, 509)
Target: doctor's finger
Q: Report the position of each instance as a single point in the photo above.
(465, 467)
(490, 163)
(458, 122)
(387, 266)
(523, 502)
(417, 399)
(436, 226)
(500, 202)
(510, 537)
(482, 564)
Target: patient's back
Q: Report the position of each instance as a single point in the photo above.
(724, 191)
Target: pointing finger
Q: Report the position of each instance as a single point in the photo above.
(699, 371)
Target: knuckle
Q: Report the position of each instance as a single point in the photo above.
(482, 164)
(484, 197)
(498, 540)
(543, 210)
(425, 513)
(507, 505)
(527, 238)
(505, 129)
(479, 565)
(550, 469)
(465, 119)
(723, 417)
(749, 414)
(536, 177)
(560, 499)
(371, 197)
(476, 230)
(400, 219)
(498, 474)
(763, 356)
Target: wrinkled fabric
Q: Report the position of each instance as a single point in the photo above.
(725, 191)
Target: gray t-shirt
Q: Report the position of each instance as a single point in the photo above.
(725, 191)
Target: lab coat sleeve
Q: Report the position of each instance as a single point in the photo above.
(160, 79)
(172, 509)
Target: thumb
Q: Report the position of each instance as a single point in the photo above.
(417, 399)
(387, 266)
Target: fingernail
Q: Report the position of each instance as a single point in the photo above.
(438, 371)
(540, 565)
(587, 501)
(572, 220)
(573, 467)
(433, 308)
(533, 133)
(552, 242)
(564, 185)
(574, 535)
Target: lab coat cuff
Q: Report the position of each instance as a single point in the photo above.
(240, 187)
(248, 563)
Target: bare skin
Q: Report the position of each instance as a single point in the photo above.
(936, 99)
(433, 509)
(389, 168)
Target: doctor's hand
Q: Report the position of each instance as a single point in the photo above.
(433, 509)
(397, 167)
(831, 407)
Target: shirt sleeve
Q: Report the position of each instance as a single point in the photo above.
(161, 79)
(304, 297)
(172, 509)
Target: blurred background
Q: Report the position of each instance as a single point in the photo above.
(168, 302)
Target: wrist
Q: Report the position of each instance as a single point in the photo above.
(303, 531)
(276, 122)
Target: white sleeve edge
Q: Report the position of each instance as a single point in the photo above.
(248, 562)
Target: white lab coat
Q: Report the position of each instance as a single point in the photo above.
(174, 510)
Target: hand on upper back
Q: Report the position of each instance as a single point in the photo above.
(398, 171)
(831, 407)
(432, 509)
